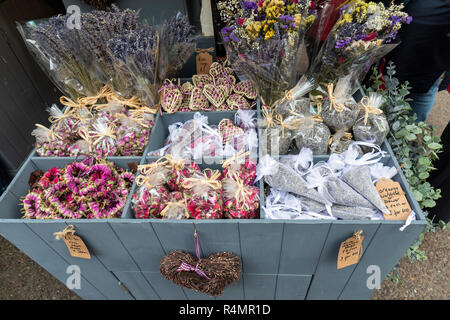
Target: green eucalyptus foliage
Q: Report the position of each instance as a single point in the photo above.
(415, 145)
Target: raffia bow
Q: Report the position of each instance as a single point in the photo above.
(50, 132)
(177, 164)
(146, 169)
(70, 229)
(99, 136)
(316, 100)
(365, 105)
(241, 192)
(286, 125)
(210, 182)
(268, 115)
(92, 100)
(339, 107)
(346, 136)
(235, 158)
(68, 113)
(172, 205)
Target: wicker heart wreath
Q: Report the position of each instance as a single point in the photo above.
(210, 275)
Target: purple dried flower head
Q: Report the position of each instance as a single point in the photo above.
(342, 43)
(287, 18)
(250, 5)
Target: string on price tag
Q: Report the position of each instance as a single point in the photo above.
(74, 243)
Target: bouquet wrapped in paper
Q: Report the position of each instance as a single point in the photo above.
(362, 34)
(74, 57)
(145, 56)
(263, 40)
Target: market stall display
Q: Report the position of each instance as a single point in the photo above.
(305, 172)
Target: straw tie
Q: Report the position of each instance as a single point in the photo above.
(268, 115)
(365, 105)
(67, 230)
(235, 158)
(173, 205)
(50, 132)
(339, 107)
(204, 180)
(286, 125)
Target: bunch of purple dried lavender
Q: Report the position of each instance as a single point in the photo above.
(77, 59)
(147, 55)
(179, 39)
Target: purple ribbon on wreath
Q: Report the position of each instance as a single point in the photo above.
(187, 267)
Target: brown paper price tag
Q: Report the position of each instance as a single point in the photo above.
(394, 198)
(350, 250)
(203, 60)
(74, 243)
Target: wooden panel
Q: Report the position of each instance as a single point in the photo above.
(302, 243)
(292, 287)
(167, 290)
(20, 235)
(19, 186)
(194, 295)
(217, 237)
(328, 282)
(260, 286)
(105, 245)
(234, 292)
(9, 206)
(136, 283)
(93, 269)
(385, 250)
(141, 243)
(260, 246)
(175, 235)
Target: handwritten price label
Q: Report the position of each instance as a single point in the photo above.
(394, 198)
(350, 251)
(203, 61)
(76, 246)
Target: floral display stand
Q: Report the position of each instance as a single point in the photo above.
(281, 259)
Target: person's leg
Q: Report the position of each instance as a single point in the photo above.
(423, 102)
(440, 178)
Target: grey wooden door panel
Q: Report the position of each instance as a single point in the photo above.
(328, 281)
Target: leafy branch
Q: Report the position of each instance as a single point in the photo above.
(415, 144)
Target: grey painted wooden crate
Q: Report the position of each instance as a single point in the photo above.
(281, 259)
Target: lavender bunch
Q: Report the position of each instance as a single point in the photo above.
(98, 28)
(178, 41)
(147, 55)
(135, 54)
(77, 60)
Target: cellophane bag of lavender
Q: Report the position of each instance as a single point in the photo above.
(372, 125)
(339, 109)
(340, 141)
(75, 57)
(312, 133)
